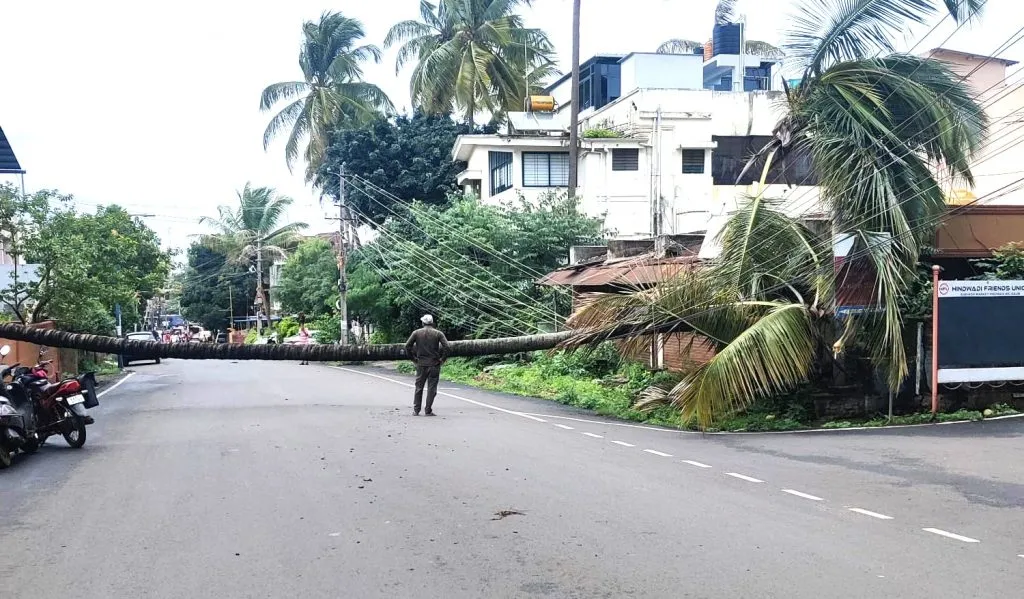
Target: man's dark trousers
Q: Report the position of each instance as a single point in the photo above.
(426, 375)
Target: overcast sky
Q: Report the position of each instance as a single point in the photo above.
(154, 106)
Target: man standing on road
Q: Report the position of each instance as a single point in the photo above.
(427, 347)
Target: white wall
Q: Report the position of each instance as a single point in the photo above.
(665, 71)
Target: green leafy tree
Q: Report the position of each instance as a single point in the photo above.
(331, 93)
(880, 131)
(473, 265)
(411, 157)
(471, 56)
(309, 279)
(252, 230)
(214, 287)
(87, 262)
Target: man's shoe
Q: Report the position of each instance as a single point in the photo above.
(416, 413)
(430, 414)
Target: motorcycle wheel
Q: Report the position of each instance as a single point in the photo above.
(75, 432)
(6, 459)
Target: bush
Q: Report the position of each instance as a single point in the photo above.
(327, 328)
(601, 133)
(287, 327)
(251, 336)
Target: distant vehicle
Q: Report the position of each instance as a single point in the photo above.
(222, 337)
(137, 336)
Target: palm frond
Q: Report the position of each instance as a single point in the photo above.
(826, 32)
(772, 356)
(679, 46)
(285, 90)
(725, 12)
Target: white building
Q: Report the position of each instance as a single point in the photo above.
(673, 165)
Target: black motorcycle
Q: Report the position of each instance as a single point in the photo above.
(17, 416)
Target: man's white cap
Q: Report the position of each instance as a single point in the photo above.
(427, 319)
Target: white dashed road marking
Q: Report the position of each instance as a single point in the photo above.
(623, 443)
(593, 435)
(950, 535)
(870, 513)
(697, 464)
(664, 455)
(568, 428)
(749, 479)
(804, 495)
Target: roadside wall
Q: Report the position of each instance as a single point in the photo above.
(27, 354)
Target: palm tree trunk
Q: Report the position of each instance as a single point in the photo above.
(574, 109)
(229, 351)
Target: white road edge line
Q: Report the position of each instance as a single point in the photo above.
(950, 535)
(870, 513)
(115, 385)
(804, 495)
(593, 435)
(1020, 555)
(623, 443)
(664, 455)
(452, 395)
(697, 464)
(749, 479)
(568, 428)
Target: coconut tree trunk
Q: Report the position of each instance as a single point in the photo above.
(230, 351)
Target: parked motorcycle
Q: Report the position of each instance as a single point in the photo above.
(41, 409)
(17, 416)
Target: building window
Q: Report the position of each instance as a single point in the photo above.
(734, 151)
(545, 169)
(693, 162)
(501, 171)
(626, 159)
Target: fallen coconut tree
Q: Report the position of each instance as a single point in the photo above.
(235, 351)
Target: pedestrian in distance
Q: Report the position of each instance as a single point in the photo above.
(304, 336)
(427, 347)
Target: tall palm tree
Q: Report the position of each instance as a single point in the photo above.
(471, 56)
(251, 234)
(331, 93)
(880, 131)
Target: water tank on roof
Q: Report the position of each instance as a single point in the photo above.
(540, 104)
(726, 38)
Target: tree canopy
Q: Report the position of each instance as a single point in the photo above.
(309, 279)
(88, 262)
(410, 157)
(213, 287)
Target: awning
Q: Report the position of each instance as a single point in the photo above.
(8, 161)
(637, 271)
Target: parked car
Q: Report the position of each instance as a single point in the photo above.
(138, 336)
(222, 337)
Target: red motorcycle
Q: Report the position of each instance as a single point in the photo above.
(59, 407)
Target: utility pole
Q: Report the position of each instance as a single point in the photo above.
(574, 109)
(342, 243)
(259, 286)
(231, 312)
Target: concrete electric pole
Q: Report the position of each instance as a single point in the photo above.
(342, 243)
(574, 110)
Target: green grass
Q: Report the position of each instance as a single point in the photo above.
(598, 383)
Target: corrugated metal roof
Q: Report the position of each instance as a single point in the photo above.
(8, 161)
(636, 271)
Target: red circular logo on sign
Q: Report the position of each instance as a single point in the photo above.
(943, 288)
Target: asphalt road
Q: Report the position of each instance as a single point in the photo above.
(224, 480)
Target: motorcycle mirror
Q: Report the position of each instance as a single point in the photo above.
(5, 350)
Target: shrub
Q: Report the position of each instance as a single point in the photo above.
(251, 336)
(287, 327)
(601, 133)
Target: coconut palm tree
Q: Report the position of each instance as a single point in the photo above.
(880, 132)
(251, 234)
(331, 92)
(471, 56)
